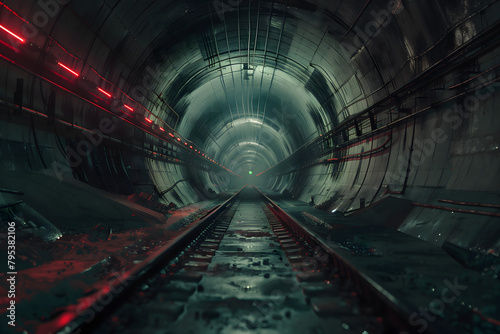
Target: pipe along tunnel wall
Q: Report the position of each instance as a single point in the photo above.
(105, 105)
(446, 147)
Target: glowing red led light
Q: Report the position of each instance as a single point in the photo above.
(65, 318)
(178, 139)
(68, 69)
(186, 144)
(103, 91)
(148, 120)
(191, 147)
(11, 33)
(162, 129)
(128, 107)
(171, 135)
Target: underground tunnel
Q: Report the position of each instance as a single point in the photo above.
(249, 166)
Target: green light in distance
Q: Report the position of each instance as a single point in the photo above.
(250, 172)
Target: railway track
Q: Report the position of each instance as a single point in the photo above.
(245, 268)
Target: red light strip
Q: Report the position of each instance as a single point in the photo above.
(75, 73)
(13, 12)
(11, 33)
(104, 92)
(88, 101)
(162, 129)
(68, 69)
(171, 135)
(191, 147)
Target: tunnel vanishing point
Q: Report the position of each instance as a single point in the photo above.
(250, 166)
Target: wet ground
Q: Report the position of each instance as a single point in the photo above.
(246, 280)
(424, 280)
(64, 255)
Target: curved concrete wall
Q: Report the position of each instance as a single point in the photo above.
(313, 65)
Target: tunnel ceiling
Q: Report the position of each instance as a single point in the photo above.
(241, 77)
(253, 80)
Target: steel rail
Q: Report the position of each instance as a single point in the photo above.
(433, 73)
(397, 311)
(76, 319)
